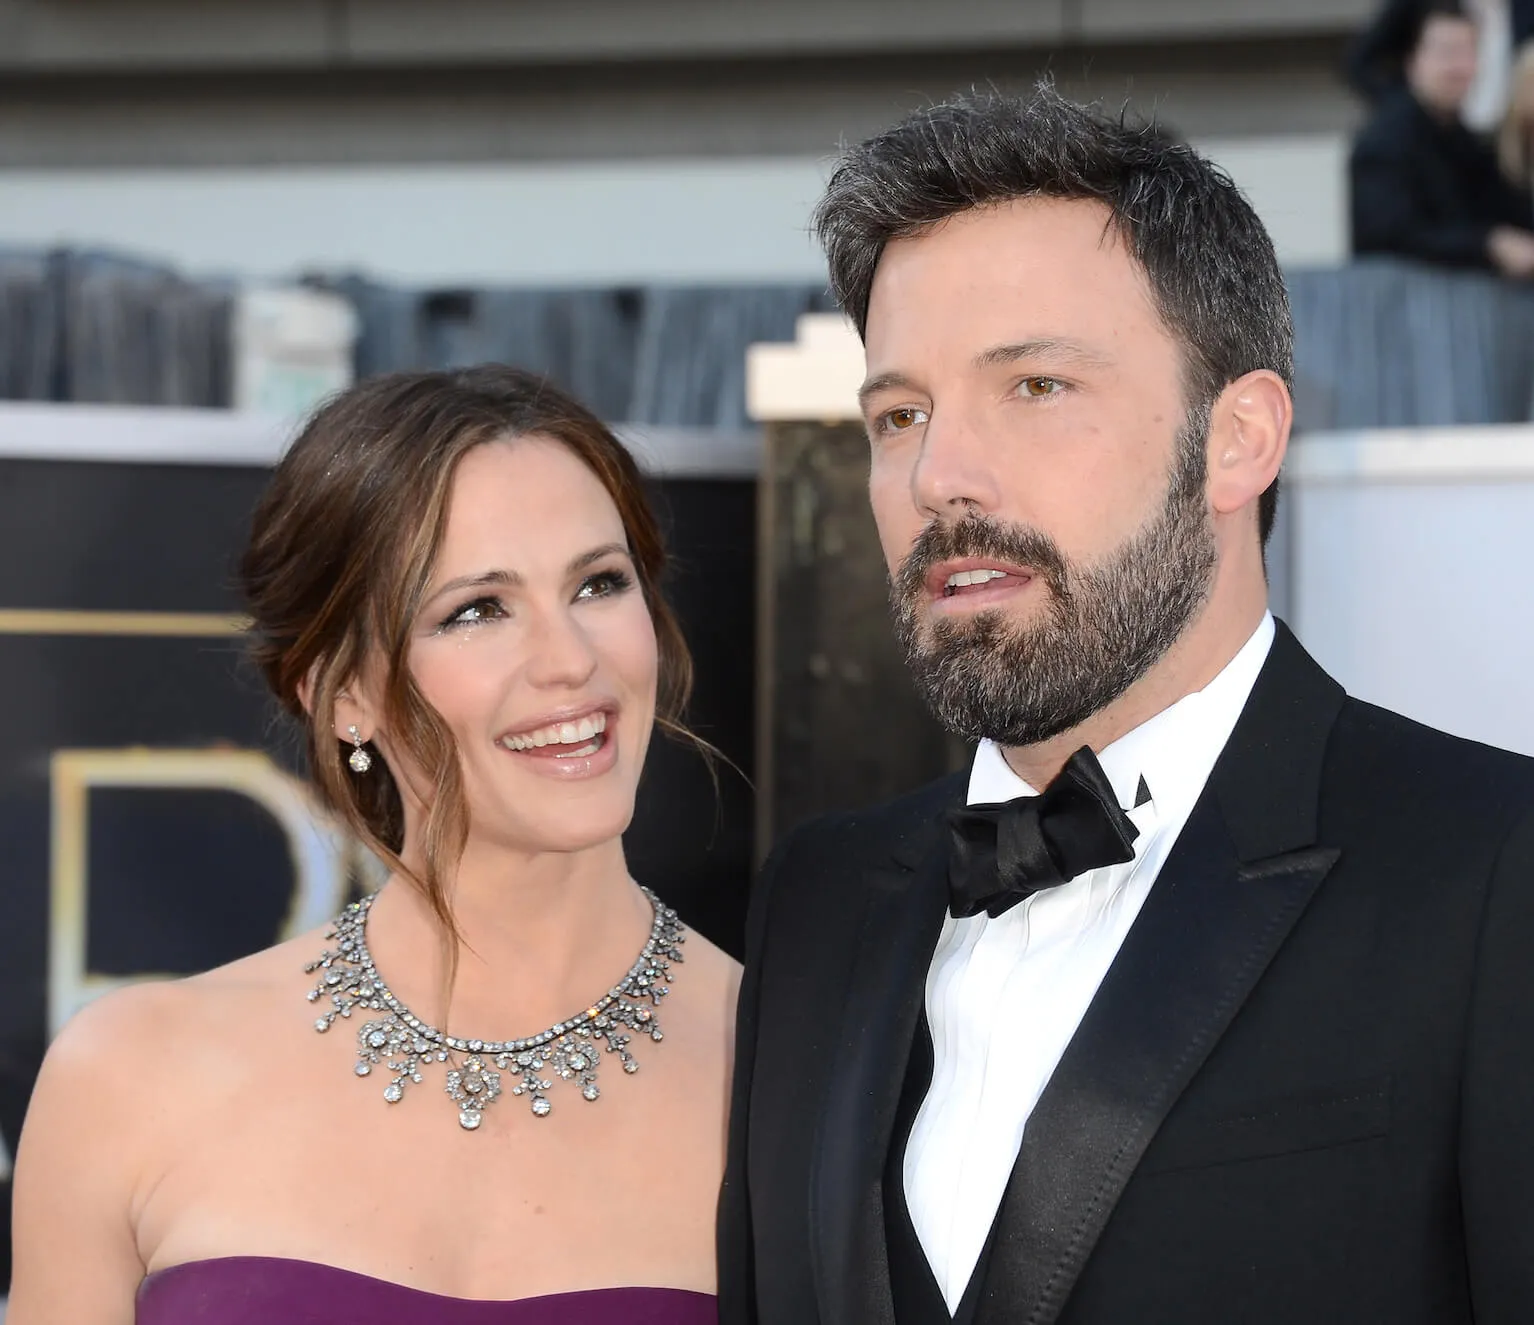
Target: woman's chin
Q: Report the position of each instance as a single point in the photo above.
(564, 828)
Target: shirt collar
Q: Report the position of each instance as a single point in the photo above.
(1174, 750)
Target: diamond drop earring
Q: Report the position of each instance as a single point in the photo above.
(359, 759)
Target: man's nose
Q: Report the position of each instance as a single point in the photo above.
(953, 475)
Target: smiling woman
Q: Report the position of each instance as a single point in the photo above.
(453, 583)
(353, 552)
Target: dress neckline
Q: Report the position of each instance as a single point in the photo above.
(391, 1285)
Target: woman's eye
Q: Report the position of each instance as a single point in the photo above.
(604, 584)
(1040, 386)
(902, 419)
(481, 609)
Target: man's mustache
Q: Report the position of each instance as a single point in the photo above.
(977, 536)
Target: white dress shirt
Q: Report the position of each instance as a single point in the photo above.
(1005, 995)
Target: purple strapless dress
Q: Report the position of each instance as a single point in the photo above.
(266, 1290)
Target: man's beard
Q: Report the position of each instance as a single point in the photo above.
(1104, 627)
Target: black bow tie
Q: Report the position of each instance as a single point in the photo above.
(1000, 854)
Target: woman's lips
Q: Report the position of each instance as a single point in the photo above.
(555, 736)
(579, 746)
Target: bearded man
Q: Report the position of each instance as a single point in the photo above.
(1205, 994)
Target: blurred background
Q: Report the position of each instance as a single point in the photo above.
(213, 213)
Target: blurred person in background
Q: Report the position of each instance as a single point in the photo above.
(1204, 995)
(1376, 59)
(1423, 185)
(453, 582)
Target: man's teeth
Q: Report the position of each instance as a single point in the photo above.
(959, 579)
(558, 733)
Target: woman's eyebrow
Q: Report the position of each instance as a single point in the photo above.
(510, 579)
(478, 580)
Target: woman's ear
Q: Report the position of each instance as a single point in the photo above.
(352, 712)
(351, 709)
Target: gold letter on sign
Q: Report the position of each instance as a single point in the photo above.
(321, 852)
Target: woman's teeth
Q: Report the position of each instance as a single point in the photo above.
(582, 733)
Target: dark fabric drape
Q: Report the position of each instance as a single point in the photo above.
(691, 367)
(584, 339)
(663, 355)
(138, 334)
(30, 314)
(84, 326)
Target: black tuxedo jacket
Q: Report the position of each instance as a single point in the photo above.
(1303, 1093)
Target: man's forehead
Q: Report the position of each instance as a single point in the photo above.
(1086, 221)
(1030, 247)
(997, 280)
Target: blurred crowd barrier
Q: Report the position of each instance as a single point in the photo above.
(86, 327)
(1387, 344)
(1379, 343)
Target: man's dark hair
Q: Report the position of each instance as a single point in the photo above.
(1210, 264)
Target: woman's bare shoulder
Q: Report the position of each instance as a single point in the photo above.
(129, 1083)
(171, 1020)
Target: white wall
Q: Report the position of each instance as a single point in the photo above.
(1408, 556)
(738, 220)
(680, 222)
(1299, 186)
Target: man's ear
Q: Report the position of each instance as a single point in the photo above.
(1248, 438)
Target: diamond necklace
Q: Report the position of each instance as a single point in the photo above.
(568, 1050)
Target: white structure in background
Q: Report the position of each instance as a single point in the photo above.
(291, 348)
(1407, 561)
(815, 379)
(1404, 551)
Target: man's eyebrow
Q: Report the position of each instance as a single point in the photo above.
(882, 382)
(1044, 347)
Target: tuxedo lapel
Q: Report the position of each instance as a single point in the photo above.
(1241, 873)
(902, 918)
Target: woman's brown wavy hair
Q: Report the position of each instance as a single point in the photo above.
(342, 548)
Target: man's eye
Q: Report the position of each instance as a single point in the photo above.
(902, 419)
(1040, 386)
